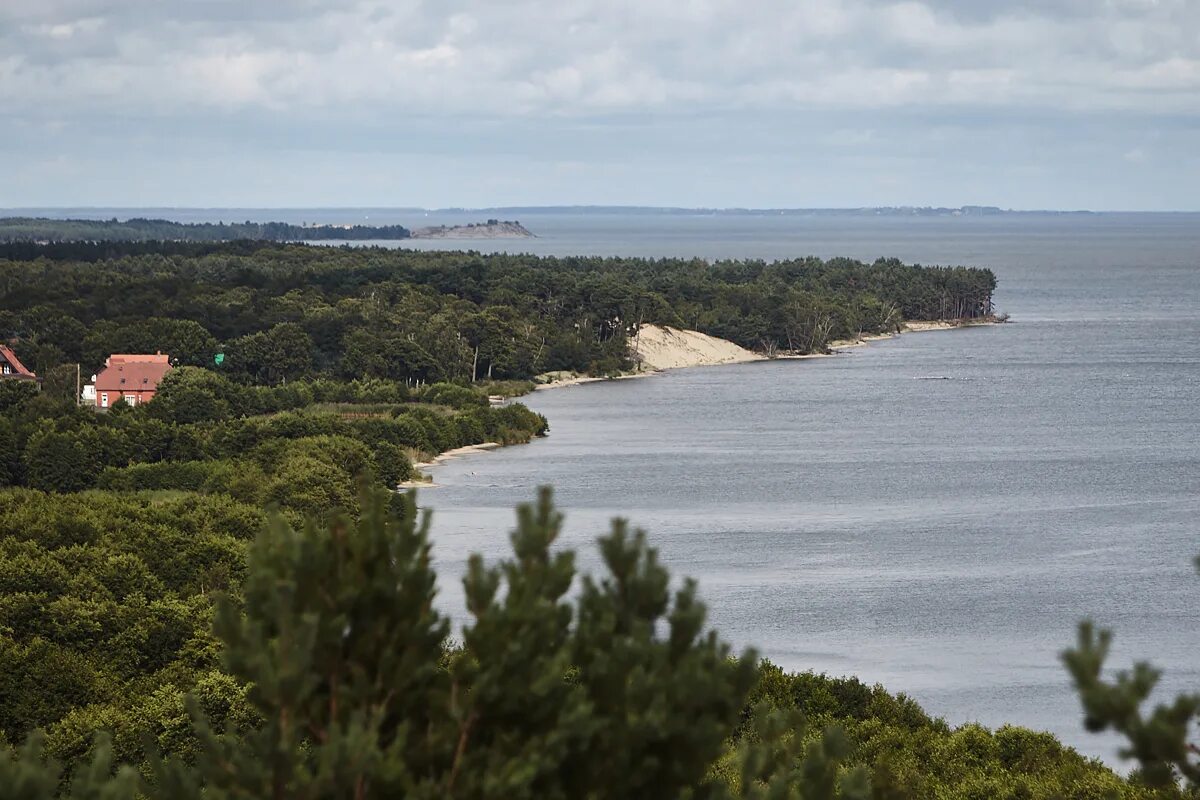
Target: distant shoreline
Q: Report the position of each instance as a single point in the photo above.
(239, 212)
(47, 231)
(492, 229)
(565, 380)
(836, 347)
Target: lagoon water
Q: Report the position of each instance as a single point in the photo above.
(850, 515)
(933, 512)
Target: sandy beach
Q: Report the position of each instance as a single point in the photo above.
(563, 378)
(457, 452)
(915, 326)
(425, 482)
(660, 347)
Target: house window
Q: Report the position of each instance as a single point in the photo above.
(7, 369)
(104, 399)
(131, 399)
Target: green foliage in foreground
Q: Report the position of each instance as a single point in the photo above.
(106, 615)
(1157, 740)
(337, 681)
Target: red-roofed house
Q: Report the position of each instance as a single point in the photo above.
(11, 366)
(132, 378)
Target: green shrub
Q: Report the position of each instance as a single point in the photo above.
(393, 464)
(63, 461)
(184, 475)
(453, 395)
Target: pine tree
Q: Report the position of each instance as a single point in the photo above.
(619, 693)
(1158, 740)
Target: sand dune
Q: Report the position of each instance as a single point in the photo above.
(660, 347)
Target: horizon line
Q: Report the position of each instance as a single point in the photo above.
(964, 210)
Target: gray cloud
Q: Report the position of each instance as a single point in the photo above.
(570, 83)
(596, 56)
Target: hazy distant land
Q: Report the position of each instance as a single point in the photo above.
(492, 229)
(141, 229)
(877, 211)
(343, 224)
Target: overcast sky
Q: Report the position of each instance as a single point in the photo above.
(763, 103)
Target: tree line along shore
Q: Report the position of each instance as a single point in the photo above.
(215, 590)
(41, 230)
(284, 312)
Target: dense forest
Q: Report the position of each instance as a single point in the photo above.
(300, 368)
(285, 312)
(137, 229)
(301, 448)
(219, 594)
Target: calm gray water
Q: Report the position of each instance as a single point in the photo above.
(942, 537)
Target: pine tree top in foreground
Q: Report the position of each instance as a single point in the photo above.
(349, 688)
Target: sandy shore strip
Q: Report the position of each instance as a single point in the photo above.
(456, 452)
(562, 378)
(418, 483)
(915, 326)
(559, 380)
(660, 347)
(423, 481)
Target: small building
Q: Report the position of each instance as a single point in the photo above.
(11, 366)
(132, 378)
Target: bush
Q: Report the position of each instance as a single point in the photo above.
(191, 476)
(15, 394)
(188, 395)
(393, 464)
(104, 600)
(453, 395)
(67, 461)
(311, 485)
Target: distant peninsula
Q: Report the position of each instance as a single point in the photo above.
(492, 229)
(138, 229)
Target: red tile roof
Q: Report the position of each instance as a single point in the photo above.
(157, 358)
(19, 370)
(132, 373)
